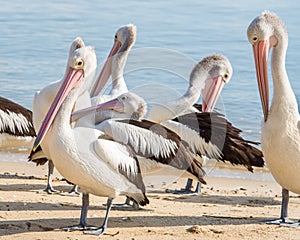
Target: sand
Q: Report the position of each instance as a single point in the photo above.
(227, 209)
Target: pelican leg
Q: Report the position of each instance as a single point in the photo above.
(102, 229)
(198, 188)
(186, 190)
(49, 188)
(74, 191)
(83, 215)
(126, 206)
(284, 204)
(283, 220)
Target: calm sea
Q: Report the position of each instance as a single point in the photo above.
(35, 38)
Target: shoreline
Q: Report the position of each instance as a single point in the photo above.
(228, 208)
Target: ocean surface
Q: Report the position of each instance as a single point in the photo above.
(171, 37)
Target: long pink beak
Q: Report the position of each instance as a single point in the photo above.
(114, 104)
(73, 78)
(211, 93)
(106, 71)
(261, 52)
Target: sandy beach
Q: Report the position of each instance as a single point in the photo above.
(227, 209)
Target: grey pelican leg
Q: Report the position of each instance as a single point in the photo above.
(83, 215)
(49, 188)
(102, 229)
(74, 191)
(284, 204)
(126, 206)
(186, 190)
(198, 188)
(283, 220)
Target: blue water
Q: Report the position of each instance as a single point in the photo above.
(35, 38)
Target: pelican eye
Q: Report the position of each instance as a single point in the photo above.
(79, 63)
(116, 37)
(226, 75)
(255, 39)
(124, 98)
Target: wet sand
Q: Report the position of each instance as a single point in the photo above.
(228, 208)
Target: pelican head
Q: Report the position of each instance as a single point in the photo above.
(126, 35)
(132, 106)
(81, 68)
(123, 41)
(217, 71)
(77, 43)
(127, 105)
(265, 32)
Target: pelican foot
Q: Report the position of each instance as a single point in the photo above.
(70, 194)
(50, 190)
(97, 231)
(79, 227)
(291, 224)
(183, 191)
(283, 222)
(126, 207)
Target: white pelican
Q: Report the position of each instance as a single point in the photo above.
(219, 140)
(16, 128)
(41, 103)
(114, 65)
(84, 155)
(280, 136)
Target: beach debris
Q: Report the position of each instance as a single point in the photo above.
(112, 234)
(195, 229)
(31, 226)
(216, 231)
(126, 219)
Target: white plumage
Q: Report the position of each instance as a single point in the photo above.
(143, 141)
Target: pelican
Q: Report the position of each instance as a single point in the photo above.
(84, 155)
(280, 137)
(123, 42)
(16, 126)
(41, 103)
(209, 75)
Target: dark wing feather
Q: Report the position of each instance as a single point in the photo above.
(37, 156)
(25, 128)
(214, 128)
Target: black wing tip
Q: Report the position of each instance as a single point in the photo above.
(37, 161)
(145, 201)
(142, 202)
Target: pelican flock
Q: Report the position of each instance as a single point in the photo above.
(108, 144)
(280, 128)
(93, 168)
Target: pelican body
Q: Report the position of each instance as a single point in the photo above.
(41, 103)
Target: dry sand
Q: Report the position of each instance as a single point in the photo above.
(226, 209)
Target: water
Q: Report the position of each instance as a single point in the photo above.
(35, 39)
